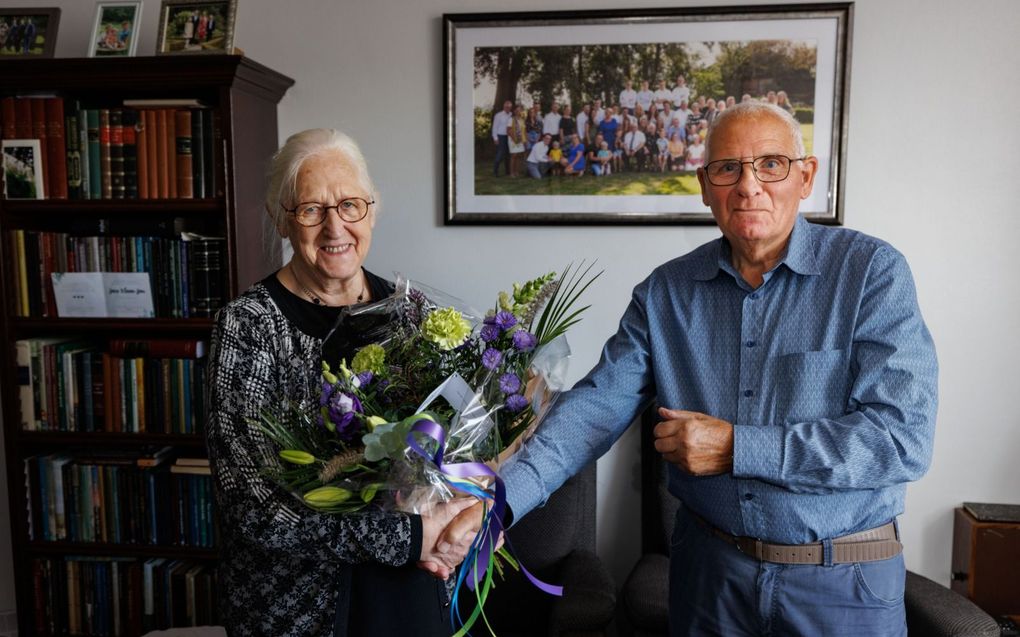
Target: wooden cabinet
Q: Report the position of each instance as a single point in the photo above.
(986, 563)
(242, 95)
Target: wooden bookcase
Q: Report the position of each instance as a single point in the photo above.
(244, 94)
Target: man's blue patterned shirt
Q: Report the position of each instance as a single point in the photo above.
(827, 372)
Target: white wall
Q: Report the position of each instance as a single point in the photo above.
(932, 167)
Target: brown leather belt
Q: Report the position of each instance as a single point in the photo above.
(872, 545)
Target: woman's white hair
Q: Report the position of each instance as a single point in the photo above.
(757, 110)
(286, 163)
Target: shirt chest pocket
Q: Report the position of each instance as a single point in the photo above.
(812, 385)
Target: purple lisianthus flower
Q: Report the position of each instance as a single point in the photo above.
(516, 402)
(489, 333)
(365, 377)
(491, 358)
(342, 410)
(327, 391)
(509, 383)
(505, 320)
(524, 341)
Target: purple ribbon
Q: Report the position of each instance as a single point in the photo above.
(463, 470)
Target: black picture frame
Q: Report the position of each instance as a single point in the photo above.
(45, 22)
(703, 38)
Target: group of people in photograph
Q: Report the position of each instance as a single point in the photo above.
(660, 131)
(17, 37)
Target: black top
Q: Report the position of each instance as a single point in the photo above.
(320, 321)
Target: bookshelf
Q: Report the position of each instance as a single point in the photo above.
(236, 99)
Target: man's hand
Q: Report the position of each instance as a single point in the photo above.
(698, 443)
(457, 537)
(442, 559)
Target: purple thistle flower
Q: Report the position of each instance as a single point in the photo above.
(489, 320)
(516, 403)
(524, 341)
(509, 383)
(505, 320)
(489, 333)
(491, 358)
(365, 377)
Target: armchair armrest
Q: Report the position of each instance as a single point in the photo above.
(936, 611)
(589, 596)
(646, 594)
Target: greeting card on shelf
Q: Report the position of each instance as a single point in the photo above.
(103, 294)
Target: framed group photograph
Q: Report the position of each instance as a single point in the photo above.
(22, 168)
(196, 26)
(600, 117)
(28, 32)
(113, 30)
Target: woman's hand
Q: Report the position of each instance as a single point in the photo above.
(442, 559)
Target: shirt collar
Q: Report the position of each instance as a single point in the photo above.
(799, 257)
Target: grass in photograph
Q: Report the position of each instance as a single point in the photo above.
(645, 183)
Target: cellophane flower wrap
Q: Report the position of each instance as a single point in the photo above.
(439, 386)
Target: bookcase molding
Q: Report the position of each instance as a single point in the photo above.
(244, 96)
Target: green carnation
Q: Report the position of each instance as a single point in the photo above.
(370, 358)
(447, 328)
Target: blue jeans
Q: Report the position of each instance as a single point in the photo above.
(502, 155)
(537, 170)
(714, 589)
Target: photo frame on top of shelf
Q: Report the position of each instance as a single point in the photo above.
(22, 169)
(800, 52)
(28, 32)
(196, 26)
(115, 29)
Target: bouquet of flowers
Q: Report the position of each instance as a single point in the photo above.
(432, 405)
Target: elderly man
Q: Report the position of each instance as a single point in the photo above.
(797, 389)
(500, 125)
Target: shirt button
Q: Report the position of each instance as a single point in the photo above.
(748, 393)
(754, 295)
(750, 343)
(748, 496)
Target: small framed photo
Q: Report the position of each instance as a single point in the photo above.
(23, 175)
(113, 30)
(196, 26)
(28, 32)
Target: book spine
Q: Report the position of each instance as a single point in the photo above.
(142, 152)
(39, 129)
(206, 274)
(117, 153)
(95, 145)
(105, 159)
(7, 110)
(171, 152)
(198, 153)
(83, 146)
(184, 167)
(56, 148)
(129, 120)
(26, 401)
(72, 140)
(163, 159)
(23, 128)
(153, 152)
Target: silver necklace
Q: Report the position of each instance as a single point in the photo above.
(318, 301)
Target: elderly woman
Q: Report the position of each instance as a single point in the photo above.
(287, 570)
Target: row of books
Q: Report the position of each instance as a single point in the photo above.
(147, 386)
(120, 498)
(186, 273)
(150, 152)
(117, 596)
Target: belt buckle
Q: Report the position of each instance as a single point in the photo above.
(748, 546)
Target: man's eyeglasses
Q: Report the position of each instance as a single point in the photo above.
(767, 168)
(313, 213)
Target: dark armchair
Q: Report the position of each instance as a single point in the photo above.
(557, 544)
(932, 610)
